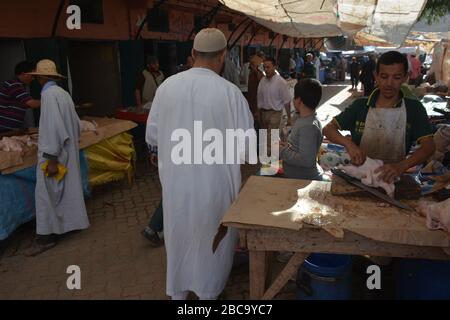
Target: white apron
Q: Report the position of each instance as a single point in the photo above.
(385, 133)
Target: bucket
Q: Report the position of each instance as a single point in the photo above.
(418, 279)
(325, 277)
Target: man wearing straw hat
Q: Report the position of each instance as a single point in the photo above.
(196, 196)
(60, 206)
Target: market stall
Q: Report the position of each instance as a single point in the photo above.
(106, 154)
(300, 216)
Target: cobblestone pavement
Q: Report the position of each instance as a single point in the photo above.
(116, 261)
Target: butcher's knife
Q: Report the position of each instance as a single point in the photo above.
(372, 191)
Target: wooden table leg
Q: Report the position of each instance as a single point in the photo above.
(258, 274)
(288, 272)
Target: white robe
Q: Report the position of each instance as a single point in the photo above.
(60, 206)
(196, 197)
(317, 64)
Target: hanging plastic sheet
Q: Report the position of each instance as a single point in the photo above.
(380, 21)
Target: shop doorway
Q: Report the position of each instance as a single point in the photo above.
(95, 73)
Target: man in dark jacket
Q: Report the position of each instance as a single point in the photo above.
(354, 73)
(367, 75)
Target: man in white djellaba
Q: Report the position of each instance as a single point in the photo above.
(196, 195)
(60, 206)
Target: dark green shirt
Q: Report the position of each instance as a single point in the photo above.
(353, 119)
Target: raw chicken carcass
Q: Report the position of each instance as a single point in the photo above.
(438, 214)
(366, 173)
(88, 125)
(9, 144)
(18, 143)
(28, 141)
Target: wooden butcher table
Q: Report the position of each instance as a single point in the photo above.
(275, 214)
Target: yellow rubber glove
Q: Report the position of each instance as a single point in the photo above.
(62, 170)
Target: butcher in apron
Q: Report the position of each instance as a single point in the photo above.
(385, 125)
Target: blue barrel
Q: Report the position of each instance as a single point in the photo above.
(325, 277)
(418, 279)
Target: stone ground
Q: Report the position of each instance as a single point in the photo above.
(116, 261)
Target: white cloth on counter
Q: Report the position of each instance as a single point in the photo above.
(438, 214)
(366, 173)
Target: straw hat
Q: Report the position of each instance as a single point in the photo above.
(46, 68)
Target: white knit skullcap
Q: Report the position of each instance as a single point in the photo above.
(210, 40)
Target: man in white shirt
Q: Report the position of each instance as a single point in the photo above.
(273, 95)
(317, 63)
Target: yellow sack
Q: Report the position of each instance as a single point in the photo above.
(112, 159)
(62, 170)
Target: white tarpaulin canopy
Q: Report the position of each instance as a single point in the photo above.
(378, 20)
(428, 36)
(441, 62)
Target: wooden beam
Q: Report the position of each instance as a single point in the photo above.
(138, 34)
(317, 240)
(286, 274)
(207, 19)
(323, 44)
(258, 272)
(254, 34)
(281, 47)
(315, 44)
(273, 39)
(262, 242)
(236, 29)
(240, 35)
(57, 16)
